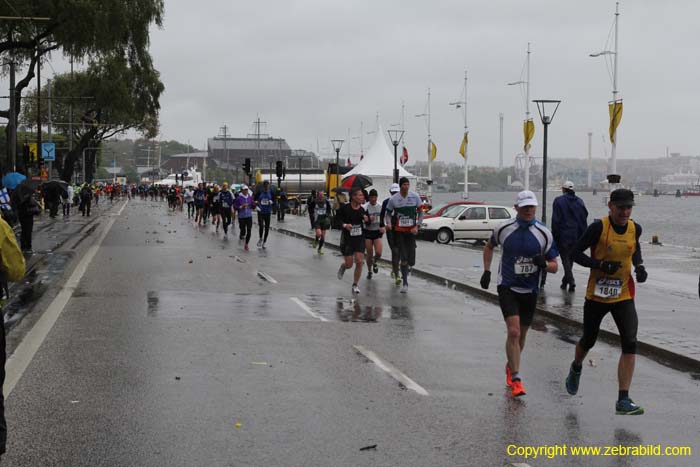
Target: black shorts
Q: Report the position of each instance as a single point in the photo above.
(517, 304)
(351, 245)
(625, 315)
(406, 244)
(323, 224)
(371, 234)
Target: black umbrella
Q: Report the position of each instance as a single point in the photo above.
(55, 186)
(357, 181)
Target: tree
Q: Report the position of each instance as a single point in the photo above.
(108, 98)
(84, 30)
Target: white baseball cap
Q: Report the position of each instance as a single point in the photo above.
(526, 198)
(569, 185)
(244, 187)
(394, 188)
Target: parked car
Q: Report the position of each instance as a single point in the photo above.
(438, 209)
(464, 222)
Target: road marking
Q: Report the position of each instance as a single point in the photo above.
(306, 308)
(394, 372)
(23, 355)
(520, 464)
(267, 277)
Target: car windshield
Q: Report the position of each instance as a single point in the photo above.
(434, 210)
(453, 211)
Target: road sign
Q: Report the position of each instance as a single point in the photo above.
(48, 151)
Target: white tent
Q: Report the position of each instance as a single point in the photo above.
(378, 164)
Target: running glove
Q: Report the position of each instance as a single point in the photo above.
(641, 273)
(610, 267)
(540, 261)
(485, 279)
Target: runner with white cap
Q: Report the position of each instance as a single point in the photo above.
(393, 189)
(527, 250)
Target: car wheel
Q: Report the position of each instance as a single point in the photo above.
(444, 236)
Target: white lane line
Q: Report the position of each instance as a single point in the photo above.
(520, 464)
(306, 308)
(394, 372)
(267, 277)
(23, 355)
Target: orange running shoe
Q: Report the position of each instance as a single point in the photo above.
(509, 380)
(518, 389)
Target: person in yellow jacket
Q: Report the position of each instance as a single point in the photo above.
(12, 268)
(615, 250)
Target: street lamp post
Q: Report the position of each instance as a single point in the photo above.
(396, 136)
(337, 144)
(542, 105)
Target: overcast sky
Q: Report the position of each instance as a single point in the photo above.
(313, 69)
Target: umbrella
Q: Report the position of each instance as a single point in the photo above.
(56, 186)
(12, 179)
(357, 181)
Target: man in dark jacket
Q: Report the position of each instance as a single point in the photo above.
(569, 221)
(86, 199)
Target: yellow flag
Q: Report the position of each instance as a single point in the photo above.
(615, 110)
(463, 146)
(528, 133)
(433, 151)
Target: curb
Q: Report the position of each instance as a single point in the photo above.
(664, 356)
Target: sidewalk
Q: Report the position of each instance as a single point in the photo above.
(44, 264)
(667, 304)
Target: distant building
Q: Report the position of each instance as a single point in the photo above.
(177, 163)
(229, 153)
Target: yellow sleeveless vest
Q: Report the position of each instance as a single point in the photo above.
(612, 288)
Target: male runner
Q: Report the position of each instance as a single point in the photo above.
(390, 236)
(373, 233)
(527, 250)
(403, 215)
(352, 243)
(321, 211)
(614, 244)
(199, 197)
(226, 201)
(265, 199)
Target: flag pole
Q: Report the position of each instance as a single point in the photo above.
(430, 157)
(527, 118)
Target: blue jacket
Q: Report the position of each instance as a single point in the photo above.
(265, 200)
(569, 219)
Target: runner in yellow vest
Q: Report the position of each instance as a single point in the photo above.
(614, 244)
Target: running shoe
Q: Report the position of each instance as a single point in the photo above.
(627, 406)
(572, 381)
(397, 280)
(369, 275)
(375, 268)
(355, 288)
(404, 288)
(246, 247)
(509, 379)
(320, 251)
(260, 243)
(264, 246)
(341, 272)
(518, 389)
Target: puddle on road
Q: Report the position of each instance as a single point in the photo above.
(36, 282)
(217, 305)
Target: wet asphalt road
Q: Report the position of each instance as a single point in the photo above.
(172, 338)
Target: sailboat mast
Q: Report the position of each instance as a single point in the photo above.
(466, 132)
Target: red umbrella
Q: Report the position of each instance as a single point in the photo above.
(357, 181)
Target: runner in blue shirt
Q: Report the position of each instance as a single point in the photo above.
(226, 201)
(527, 249)
(244, 205)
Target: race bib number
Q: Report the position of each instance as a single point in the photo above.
(320, 212)
(356, 231)
(606, 287)
(524, 267)
(224, 204)
(265, 202)
(406, 222)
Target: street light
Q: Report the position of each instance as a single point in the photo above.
(337, 144)
(542, 105)
(396, 137)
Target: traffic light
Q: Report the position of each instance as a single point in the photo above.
(279, 169)
(246, 165)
